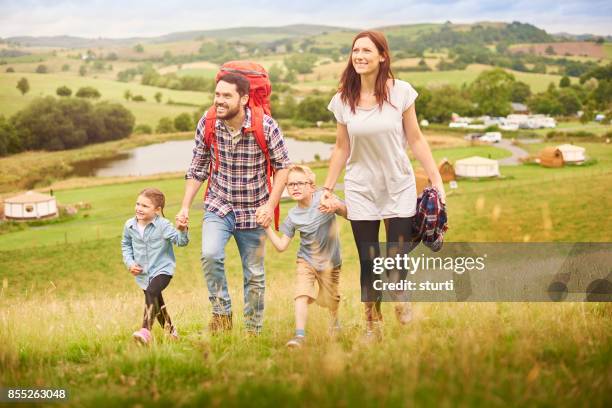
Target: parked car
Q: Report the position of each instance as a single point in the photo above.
(492, 137)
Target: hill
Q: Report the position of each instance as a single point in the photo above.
(249, 34)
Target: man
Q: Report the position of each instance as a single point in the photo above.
(238, 202)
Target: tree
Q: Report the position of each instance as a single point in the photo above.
(313, 109)
(158, 97)
(301, 63)
(65, 67)
(165, 125)
(139, 48)
(437, 104)
(10, 69)
(564, 82)
(275, 73)
(520, 92)
(127, 94)
(114, 122)
(23, 85)
(63, 91)
(88, 92)
(138, 98)
(183, 122)
(492, 90)
(550, 50)
(82, 70)
(42, 69)
(9, 140)
(569, 101)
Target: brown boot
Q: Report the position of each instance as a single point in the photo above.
(373, 333)
(220, 323)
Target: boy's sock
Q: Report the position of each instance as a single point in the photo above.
(300, 332)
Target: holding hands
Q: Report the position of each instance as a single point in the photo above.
(182, 219)
(264, 215)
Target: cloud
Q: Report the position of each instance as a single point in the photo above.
(114, 18)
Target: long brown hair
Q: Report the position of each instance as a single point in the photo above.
(350, 82)
(157, 198)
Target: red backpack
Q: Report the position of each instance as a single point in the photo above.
(259, 104)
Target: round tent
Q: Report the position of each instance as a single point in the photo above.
(421, 179)
(30, 206)
(572, 153)
(551, 157)
(476, 167)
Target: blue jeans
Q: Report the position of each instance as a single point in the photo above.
(216, 232)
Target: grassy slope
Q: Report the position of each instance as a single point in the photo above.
(67, 312)
(147, 112)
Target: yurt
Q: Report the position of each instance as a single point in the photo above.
(421, 179)
(30, 206)
(572, 153)
(550, 157)
(476, 167)
(447, 170)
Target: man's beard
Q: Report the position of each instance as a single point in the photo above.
(229, 113)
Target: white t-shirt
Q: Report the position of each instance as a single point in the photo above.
(379, 180)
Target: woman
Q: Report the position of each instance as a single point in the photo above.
(376, 120)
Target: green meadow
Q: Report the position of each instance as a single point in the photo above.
(68, 308)
(148, 112)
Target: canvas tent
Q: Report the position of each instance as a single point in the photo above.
(572, 153)
(476, 167)
(446, 170)
(550, 157)
(30, 206)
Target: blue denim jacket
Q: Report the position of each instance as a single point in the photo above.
(154, 252)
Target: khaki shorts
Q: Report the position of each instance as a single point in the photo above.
(319, 286)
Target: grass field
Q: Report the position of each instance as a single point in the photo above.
(326, 77)
(148, 112)
(67, 311)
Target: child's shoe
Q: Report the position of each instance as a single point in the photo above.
(143, 336)
(296, 342)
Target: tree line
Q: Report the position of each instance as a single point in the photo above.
(50, 123)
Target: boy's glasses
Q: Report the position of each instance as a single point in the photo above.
(299, 184)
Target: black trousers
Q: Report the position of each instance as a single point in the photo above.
(155, 308)
(399, 237)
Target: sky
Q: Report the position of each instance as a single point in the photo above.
(139, 18)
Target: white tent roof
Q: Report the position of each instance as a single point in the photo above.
(570, 148)
(29, 197)
(476, 160)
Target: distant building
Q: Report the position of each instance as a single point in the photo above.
(477, 166)
(30, 206)
(519, 108)
(572, 153)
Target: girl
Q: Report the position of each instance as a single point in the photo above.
(148, 254)
(376, 121)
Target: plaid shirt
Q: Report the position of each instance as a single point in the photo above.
(240, 184)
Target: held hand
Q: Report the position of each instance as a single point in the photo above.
(181, 226)
(136, 269)
(264, 215)
(441, 192)
(182, 218)
(326, 204)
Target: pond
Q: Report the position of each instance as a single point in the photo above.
(175, 156)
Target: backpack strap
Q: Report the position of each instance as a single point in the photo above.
(210, 139)
(257, 128)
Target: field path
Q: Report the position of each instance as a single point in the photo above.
(517, 153)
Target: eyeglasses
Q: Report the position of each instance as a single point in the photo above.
(299, 184)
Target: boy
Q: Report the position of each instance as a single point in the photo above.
(318, 259)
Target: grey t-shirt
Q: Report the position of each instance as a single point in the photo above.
(319, 238)
(379, 181)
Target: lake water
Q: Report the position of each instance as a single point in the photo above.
(175, 156)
